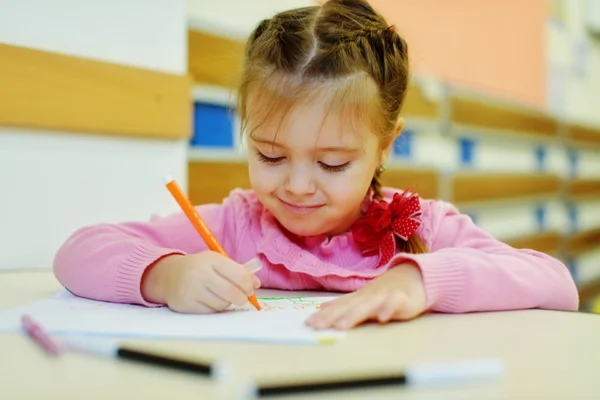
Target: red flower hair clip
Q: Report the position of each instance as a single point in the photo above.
(382, 222)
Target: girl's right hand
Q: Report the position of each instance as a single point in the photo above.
(199, 283)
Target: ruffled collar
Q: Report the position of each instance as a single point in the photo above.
(375, 233)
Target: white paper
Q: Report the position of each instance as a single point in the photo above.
(281, 320)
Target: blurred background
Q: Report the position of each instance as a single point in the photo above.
(100, 99)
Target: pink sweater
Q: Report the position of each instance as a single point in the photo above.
(465, 270)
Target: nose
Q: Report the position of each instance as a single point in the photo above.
(300, 182)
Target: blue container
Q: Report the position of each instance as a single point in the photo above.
(541, 217)
(403, 145)
(213, 126)
(540, 158)
(467, 151)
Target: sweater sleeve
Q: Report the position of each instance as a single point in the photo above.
(468, 270)
(106, 262)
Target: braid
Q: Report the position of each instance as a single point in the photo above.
(414, 244)
(281, 41)
(376, 184)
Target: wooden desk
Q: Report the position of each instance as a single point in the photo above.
(548, 355)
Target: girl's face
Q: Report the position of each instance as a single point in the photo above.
(312, 170)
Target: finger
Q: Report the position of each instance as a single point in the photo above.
(329, 303)
(322, 318)
(359, 313)
(212, 300)
(326, 318)
(191, 307)
(256, 281)
(236, 274)
(393, 304)
(227, 290)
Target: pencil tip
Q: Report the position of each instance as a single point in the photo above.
(254, 302)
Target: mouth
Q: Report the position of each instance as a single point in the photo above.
(300, 209)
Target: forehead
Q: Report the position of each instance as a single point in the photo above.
(312, 124)
(330, 113)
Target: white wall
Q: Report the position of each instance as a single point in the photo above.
(574, 62)
(56, 182)
(588, 267)
(589, 161)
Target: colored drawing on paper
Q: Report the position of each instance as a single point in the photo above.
(66, 314)
(286, 303)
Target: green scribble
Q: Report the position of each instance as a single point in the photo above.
(273, 298)
(293, 300)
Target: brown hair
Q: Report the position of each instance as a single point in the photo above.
(343, 53)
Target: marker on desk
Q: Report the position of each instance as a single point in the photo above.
(38, 335)
(198, 223)
(210, 368)
(416, 375)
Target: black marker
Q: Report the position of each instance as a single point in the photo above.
(209, 368)
(418, 374)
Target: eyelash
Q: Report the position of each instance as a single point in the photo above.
(335, 168)
(325, 167)
(268, 160)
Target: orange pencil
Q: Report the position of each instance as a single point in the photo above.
(198, 223)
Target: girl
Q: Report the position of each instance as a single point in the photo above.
(319, 102)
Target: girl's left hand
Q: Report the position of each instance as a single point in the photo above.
(398, 294)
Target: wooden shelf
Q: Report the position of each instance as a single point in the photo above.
(584, 135)
(547, 242)
(211, 181)
(583, 241)
(589, 291)
(478, 186)
(51, 91)
(485, 114)
(578, 188)
(214, 60)
(417, 104)
(425, 181)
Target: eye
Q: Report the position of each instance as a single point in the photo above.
(269, 160)
(335, 168)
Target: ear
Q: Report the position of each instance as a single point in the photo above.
(386, 146)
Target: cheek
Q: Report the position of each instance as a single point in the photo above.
(350, 186)
(262, 178)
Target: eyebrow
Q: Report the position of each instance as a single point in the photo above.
(339, 149)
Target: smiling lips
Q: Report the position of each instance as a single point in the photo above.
(301, 209)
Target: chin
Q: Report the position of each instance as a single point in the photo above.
(303, 229)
